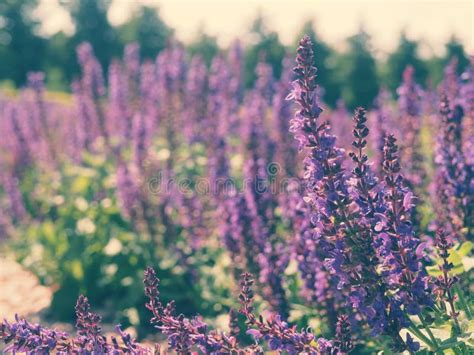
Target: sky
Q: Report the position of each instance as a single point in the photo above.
(432, 21)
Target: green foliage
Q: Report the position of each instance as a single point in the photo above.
(436, 65)
(437, 330)
(91, 24)
(348, 75)
(455, 49)
(406, 54)
(360, 73)
(205, 46)
(461, 259)
(21, 49)
(147, 28)
(60, 63)
(266, 47)
(79, 243)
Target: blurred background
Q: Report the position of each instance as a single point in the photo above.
(361, 45)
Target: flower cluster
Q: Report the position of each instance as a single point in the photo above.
(363, 226)
(454, 176)
(179, 165)
(444, 283)
(23, 336)
(410, 110)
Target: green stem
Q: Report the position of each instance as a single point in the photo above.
(464, 348)
(436, 308)
(462, 300)
(421, 336)
(428, 330)
(451, 345)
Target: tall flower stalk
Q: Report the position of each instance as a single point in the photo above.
(346, 234)
(410, 113)
(454, 178)
(444, 284)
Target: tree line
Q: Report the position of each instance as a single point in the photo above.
(355, 75)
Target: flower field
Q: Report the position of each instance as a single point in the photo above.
(201, 215)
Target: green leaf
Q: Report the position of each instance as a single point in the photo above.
(49, 232)
(76, 269)
(455, 258)
(465, 248)
(80, 184)
(434, 270)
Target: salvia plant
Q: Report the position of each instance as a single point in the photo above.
(288, 227)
